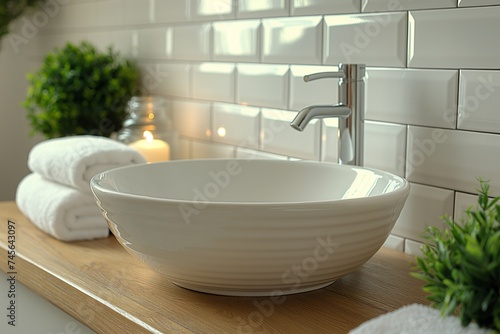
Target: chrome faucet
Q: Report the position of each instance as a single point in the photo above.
(349, 111)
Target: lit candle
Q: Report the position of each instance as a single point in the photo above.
(152, 149)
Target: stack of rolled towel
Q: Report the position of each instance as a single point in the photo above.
(56, 196)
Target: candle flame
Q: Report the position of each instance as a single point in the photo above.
(148, 136)
(221, 131)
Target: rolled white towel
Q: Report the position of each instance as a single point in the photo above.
(74, 160)
(60, 211)
(416, 319)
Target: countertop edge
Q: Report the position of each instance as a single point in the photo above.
(65, 296)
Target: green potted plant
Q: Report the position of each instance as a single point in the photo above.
(11, 10)
(79, 90)
(461, 265)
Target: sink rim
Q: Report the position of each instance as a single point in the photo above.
(96, 185)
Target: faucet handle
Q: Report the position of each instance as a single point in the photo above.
(346, 72)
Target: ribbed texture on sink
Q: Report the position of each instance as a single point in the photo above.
(252, 261)
(253, 249)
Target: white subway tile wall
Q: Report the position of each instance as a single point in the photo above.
(397, 96)
(236, 125)
(373, 39)
(478, 105)
(385, 147)
(428, 204)
(292, 40)
(262, 8)
(395, 242)
(413, 247)
(204, 150)
(233, 70)
(450, 38)
(278, 137)
(237, 40)
(473, 3)
(171, 77)
(330, 140)
(304, 93)
(192, 119)
(212, 10)
(214, 81)
(262, 85)
(190, 42)
(318, 7)
(453, 159)
(391, 5)
(168, 11)
(245, 153)
(464, 202)
(151, 43)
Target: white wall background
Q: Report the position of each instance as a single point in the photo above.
(432, 85)
(14, 130)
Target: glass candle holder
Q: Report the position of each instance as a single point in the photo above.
(148, 128)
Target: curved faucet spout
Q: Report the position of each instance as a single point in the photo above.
(304, 116)
(349, 111)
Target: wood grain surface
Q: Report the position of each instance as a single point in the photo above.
(105, 288)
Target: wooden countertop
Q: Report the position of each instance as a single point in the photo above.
(101, 285)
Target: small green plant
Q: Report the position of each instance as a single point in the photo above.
(11, 10)
(79, 90)
(461, 268)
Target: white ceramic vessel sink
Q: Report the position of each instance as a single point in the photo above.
(250, 227)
